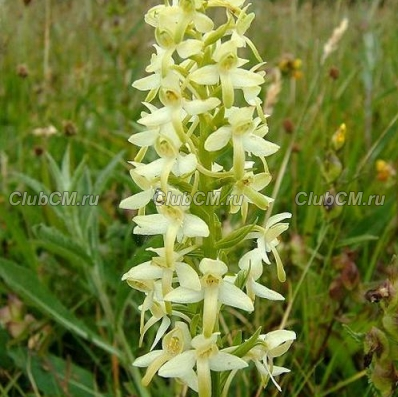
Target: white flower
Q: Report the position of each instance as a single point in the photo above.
(273, 344)
(141, 199)
(212, 289)
(247, 190)
(152, 135)
(241, 26)
(175, 108)
(172, 222)
(171, 160)
(243, 127)
(227, 69)
(202, 22)
(254, 271)
(267, 240)
(174, 343)
(160, 62)
(206, 357)
(247, 136)
(159, 313)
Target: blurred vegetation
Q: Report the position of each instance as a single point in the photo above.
(68, 326)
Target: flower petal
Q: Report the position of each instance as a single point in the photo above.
(137, 201)
(279, 266)
(144, 271)
(264, 292)
(277, 218)
(231, 295)
(156, 118)
(191, 380)
(218, 139)
(179, 366)
(242, 78)
(151, 170)
(208, 75)
(161, 331)
(275, 231)
(226, 362)
(259, 146)
(145, 138)
(203, 23)
(261, 180)
(276, 371)
(184, 295)
(276, 338)
(189, 47)
(148, 358)
(148, 83)
(151, 224)
(198, 106)
(187, 276)
(257, 198)
(194, 226)
(185, 165)
(251, 94)
(213, 266)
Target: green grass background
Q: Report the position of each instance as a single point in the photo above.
(65, 263)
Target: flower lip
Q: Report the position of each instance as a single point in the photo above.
(170, 97)
(164, 148)
(164, 38)
(243, 128)
(228, 62)
(175, 214)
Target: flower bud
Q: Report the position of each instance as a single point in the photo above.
(338, 138)
(332, 167)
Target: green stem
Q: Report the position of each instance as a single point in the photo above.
(205, 186)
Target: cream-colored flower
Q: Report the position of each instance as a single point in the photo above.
(247, 135)
(148, 186)
(212, 289)
(227, 70)
(173, 222)
(170, 161)
(175, 108)
(273, 344)
(247, 190)
(174, 343)
(207, 357)
(254, 270)
(267, 240)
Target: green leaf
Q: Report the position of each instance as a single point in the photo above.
(245, 347)
(38, 187)
(234, 238)
(58, 178)
(60, 244)
(54, 376)
(356, 240)
(26, 284)
(105, 174)
(34, 184)
(24, 246)
(238, 338)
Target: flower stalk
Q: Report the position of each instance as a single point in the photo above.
(204, 124)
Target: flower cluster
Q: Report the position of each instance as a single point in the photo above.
(202, 141)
